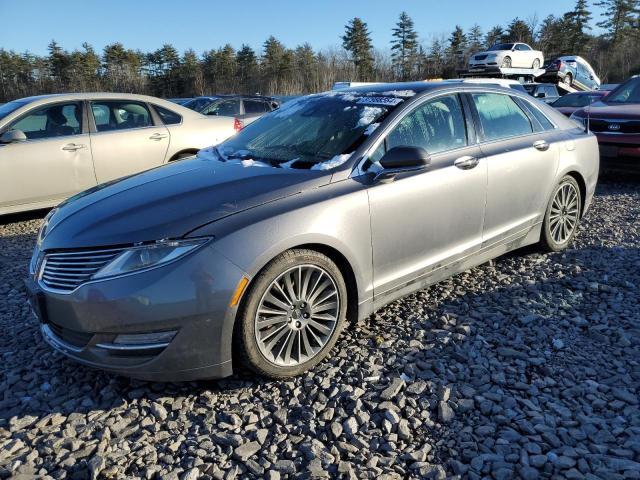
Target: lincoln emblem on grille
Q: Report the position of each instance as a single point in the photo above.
(614, 126)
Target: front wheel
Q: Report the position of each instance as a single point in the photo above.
(293, 314)
(536, 64)
(506, 63)
(562, 216)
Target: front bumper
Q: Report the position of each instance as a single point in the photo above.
(190, 296)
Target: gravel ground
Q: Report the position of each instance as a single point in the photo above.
(527, 366)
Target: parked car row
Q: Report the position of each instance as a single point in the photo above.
(54, 146)
(244, 108)
(259, 252)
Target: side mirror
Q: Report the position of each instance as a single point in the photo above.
(540, 95)
(13, 136)
(403, 159)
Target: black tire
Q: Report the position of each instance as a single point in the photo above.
(506, 62)
(536, 64)
(548, 238)
(247, 350)
(568, 79)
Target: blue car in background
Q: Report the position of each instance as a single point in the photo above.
(573, 71)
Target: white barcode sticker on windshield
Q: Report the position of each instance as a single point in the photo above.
(380, 100)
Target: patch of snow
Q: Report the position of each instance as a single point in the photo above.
(289, 163)
(368, 115)
(332, 163)
(290, 107)
(400, 93)
(208, 153)
(371, 128)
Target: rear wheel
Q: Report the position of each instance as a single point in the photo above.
(568, 79)
(562, 216)
(536, 64)
(506, 63)
(293, 314)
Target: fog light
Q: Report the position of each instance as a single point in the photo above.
(145, 338)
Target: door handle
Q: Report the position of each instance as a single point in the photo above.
(72, 147)
(541, 145)
(158, 136)
(466, 163)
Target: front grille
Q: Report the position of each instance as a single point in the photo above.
(72, 337)
(480, 57)
(67, 270)
(597, 125)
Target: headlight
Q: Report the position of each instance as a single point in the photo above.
(492, 55)
(148, 256)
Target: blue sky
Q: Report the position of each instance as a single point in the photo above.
(203, 25)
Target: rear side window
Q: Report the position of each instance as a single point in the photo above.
(255, 106)
(500, 116)
(224, 108)
(167, 116)
(120, 115)
(545, 123)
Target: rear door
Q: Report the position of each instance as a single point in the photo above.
(52, 164)
(125, 139)
(522, 159)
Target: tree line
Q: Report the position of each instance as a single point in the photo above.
(277, 69)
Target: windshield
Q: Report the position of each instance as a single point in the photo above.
(198, 104)
(626, 93)
(317, 131)
(575, 100)
(7, 108)
(502, 46)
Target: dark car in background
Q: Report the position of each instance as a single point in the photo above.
(547, 92)
(180, 101)
(571, 102)
(573, 71)
(615, 120)
(245, 108)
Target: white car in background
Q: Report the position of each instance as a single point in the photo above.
(507, 55)
(54, 146)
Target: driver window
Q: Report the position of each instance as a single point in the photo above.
(51, 121)
(120, 115)
(437, 125)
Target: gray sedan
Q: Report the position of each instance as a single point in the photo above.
(54, 146)
(260, 251)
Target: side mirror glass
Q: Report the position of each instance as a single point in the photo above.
(403, 159)
(540, 95)
(13, 136)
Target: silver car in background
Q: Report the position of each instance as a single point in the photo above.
(54, 146)
(258, 252)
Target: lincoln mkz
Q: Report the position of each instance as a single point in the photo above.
(259, 251)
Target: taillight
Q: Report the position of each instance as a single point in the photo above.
(559, 64)
(237, 125)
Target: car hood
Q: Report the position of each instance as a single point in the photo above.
(170, 201)
(620, 111)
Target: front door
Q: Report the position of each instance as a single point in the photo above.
(124, 139)
(420, 222)
(52, 164)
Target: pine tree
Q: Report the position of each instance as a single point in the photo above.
(576, 23)
(620, 17)
(357, 41)
(404, 47)
(475, 39)
(495, 35)
(519, 31)
(247, 69)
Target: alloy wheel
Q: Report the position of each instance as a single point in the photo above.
(564, 213)
(506, 63)
(297, 315)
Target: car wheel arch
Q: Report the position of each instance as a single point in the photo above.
(577, 176)
(341, 261)
(183, 153)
